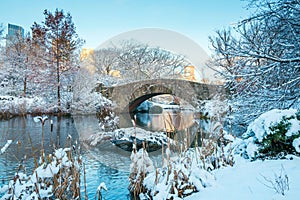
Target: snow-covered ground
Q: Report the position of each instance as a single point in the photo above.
(253, 180)
(248, 178)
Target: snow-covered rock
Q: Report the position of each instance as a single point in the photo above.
(125, 137)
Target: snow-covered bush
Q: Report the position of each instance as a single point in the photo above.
(274, 133)
(140, 166)
(88, 101)
(108, 121)
(177, 179)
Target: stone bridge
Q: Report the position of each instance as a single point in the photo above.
(129, 96)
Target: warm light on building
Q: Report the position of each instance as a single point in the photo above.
(86, 54)
(189, 73)
(115, 73)
(86, 58)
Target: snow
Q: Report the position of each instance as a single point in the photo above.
(295, 127)
(260, 129)
(296, 144)
(4, 148)
(127, 134)
(40, 119)
(18, 105)
(183, 175)
(24, 186)
(141, 163)
(164, 106)
(260, 126)
(248, 180)
(102, 186)
(214, 108)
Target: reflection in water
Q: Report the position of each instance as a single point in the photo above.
(169, 120)
(179, 120)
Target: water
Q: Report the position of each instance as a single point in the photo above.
(103, 163)
(97, 172)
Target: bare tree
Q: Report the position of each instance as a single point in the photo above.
(137, 61)
(260, 60)
(57, 35)
(105, 60)
(18, 51)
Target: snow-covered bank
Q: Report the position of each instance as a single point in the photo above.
(246, 179)
(11, 105)
(240, 167)
(20, 105)
(254, 180)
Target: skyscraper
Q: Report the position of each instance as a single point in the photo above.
(13, 32)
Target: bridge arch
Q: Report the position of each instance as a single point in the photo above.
(145, 92)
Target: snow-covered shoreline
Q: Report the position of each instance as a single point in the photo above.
(15, 106)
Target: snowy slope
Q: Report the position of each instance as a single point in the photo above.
(248, 180)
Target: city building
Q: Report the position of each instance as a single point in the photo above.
(13, 32)
(189, 73)
(86, 58)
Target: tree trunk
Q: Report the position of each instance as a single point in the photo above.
(24, 86)
(25, 79)
(58, 84)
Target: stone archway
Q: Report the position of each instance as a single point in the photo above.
(132, 94)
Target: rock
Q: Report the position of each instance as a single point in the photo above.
(123, 144)
(156, 110)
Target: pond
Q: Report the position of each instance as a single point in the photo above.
(103, 163)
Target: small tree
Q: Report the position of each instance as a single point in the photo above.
(19, 57)
(57, 35)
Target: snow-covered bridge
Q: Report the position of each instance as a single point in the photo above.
(129, 96)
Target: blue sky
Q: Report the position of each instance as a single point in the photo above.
(99, 20)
